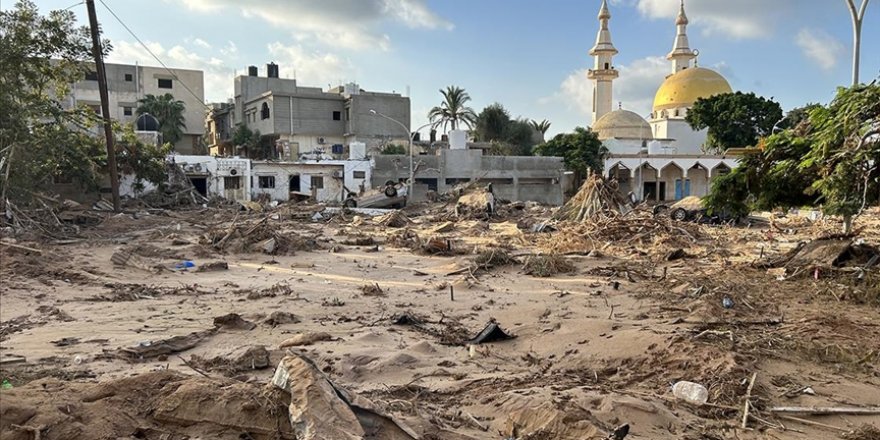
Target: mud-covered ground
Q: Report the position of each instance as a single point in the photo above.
(596, 346)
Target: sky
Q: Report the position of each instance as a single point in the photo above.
(530, 56)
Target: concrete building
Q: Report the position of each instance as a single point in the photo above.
(309, 119)
(662, 158)
(228, 178)
(219, 126)
(126, 84)
(538, 179)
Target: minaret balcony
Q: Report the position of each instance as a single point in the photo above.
(602, 73)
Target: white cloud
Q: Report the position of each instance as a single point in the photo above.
(350, 24)
(634, 89)
(737, 19)
(311, 68)
(218, 73)
(820, 47)
(201, 43)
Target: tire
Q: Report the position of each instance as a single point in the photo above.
(390, 183)
(659, 209)
(350, 203)
(390, 191)
(679, 214)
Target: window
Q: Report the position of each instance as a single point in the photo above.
(337, 116)
(126, 111)
(348, 114)
(267, 181)
(318, 182)
(128, 77)
(96, 108)
(165, 83)
(233, 182)
(607, 65)
(91, 76)
(360, 174)
(337, 149)
(264, 111)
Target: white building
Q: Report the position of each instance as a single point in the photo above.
(661, 158)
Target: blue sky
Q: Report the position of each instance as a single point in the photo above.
(530, 56)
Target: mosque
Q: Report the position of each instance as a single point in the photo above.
(660, 158)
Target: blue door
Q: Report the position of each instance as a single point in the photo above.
(687, 187)
(678, 189)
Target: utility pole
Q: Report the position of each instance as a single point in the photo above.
(105, 102)
(857, 18)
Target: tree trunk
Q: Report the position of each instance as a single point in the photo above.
(847, 224)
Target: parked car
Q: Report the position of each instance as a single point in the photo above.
(692, 209)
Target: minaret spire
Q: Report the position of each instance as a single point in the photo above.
(681, 54)
(603, 72)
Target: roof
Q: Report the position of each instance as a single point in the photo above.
(683, 88)
(622, 124)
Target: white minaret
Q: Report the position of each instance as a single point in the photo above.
(603, 72)
(681, 54)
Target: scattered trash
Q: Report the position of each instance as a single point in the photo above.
(372, 290)
(691, 392)
(619, 433)
(277, 318)
(727, 302)
(149, 350)
(65, 341)
(406, 318)
(6, 385)
(491, 333)
(183, 265)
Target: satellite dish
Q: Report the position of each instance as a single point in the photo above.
(147, 122)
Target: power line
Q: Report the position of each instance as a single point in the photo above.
(154, 55)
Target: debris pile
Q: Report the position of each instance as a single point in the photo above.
(257, 236)
(596, 199)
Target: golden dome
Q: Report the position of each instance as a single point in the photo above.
(622, 124)
(684, 87)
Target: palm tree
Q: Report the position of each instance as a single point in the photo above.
(542, 126)
(168, 111)
(453, 110)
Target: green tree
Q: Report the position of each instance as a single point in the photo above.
(144, 160)
(581, 151)
(734, 120)
(846, 151)
(521, 136)
(491, 123)
(168, 111)
(40, 139)
(393, 149)
(829, 160)
(246, 139)
(453, 110)
(541, 127)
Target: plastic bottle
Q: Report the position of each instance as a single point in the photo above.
(691, 392)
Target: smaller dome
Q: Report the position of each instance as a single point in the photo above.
(622, 124)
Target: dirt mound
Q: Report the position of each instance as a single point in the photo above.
(152, 406)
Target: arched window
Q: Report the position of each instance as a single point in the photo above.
(264, 112)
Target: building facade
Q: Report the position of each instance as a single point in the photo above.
(515, 178)
(127, 83)
(300, 120)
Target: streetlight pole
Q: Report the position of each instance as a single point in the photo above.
(410, 136)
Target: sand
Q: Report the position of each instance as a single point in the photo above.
(595, 348)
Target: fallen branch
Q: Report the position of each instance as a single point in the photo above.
(18, 246)
(748, 402)
(810, 422)
(822, 410)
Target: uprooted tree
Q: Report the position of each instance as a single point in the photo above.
(41, 139)
(830, 159)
